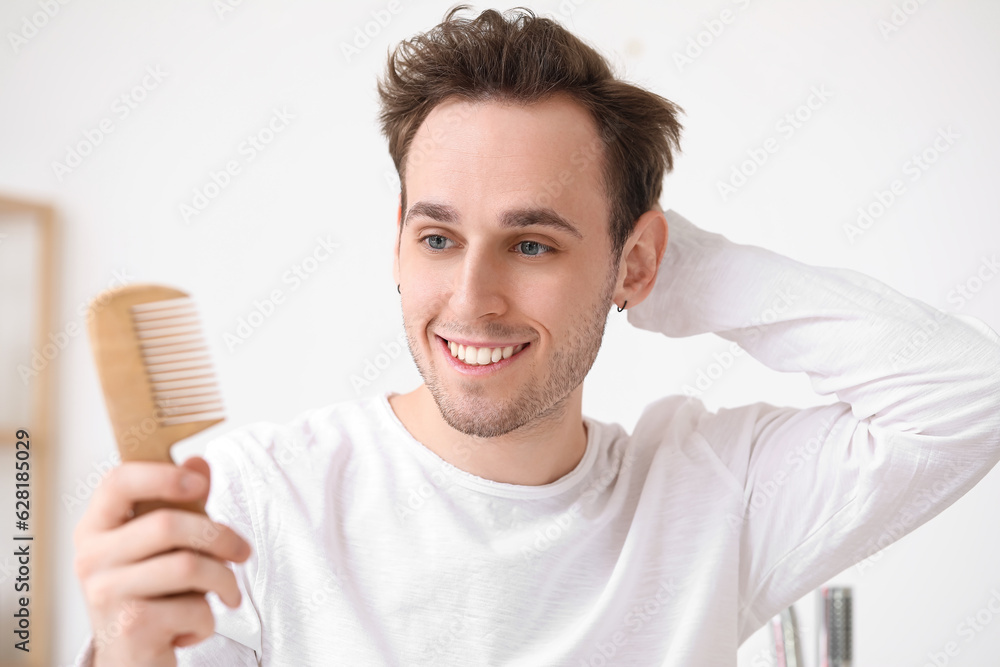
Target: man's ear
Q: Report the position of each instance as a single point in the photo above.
(641, 257)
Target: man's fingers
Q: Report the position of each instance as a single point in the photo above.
(133, 481)
(168, 574)
(160, 531)
(200, 466)
(160, 622)
(190, 617)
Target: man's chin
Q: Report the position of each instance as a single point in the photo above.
(478, 417)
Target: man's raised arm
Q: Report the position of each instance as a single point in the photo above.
(917, 423)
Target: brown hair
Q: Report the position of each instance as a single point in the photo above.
(524, 59)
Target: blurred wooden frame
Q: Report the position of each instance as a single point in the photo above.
(38, 423)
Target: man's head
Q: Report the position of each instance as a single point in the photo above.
(505, 236)
(523, 59)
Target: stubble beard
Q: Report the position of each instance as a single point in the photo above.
(469, 411)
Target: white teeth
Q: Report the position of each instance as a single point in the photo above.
(482, 356)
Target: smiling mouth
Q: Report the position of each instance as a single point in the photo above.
(482, 356)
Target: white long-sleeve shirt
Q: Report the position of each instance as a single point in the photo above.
(667, 546)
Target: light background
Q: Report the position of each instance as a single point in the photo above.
(328, 174)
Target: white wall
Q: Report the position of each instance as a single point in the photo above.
(328, 173)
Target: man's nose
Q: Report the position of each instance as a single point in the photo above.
(480, 285)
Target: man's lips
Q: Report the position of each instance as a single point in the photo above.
(478, 369)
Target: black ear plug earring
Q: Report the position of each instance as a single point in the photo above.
(397, 288)
(623, 306)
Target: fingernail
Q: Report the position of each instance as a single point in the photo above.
(191, 482)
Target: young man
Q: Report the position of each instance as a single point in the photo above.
(481, 518)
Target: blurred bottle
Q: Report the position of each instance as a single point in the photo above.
(835, 627)
(787, 647)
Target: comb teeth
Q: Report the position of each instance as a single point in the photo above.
(177, 362)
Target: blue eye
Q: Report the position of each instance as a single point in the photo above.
(434, 236)
(437, 243)
(537, 245)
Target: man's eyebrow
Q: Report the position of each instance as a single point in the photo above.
(513, 218)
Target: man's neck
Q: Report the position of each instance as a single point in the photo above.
(539, 453)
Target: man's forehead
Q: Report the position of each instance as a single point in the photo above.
(545, 147)
(556, 122)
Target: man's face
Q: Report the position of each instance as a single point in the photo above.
(469, 278)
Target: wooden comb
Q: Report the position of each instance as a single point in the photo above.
(156, 373)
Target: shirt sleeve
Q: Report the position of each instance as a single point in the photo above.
(916, 425)
(216, 651)
(237, 638)
(231, 501)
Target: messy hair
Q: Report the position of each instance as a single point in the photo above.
(519, 58)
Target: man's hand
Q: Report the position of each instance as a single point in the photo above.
(145, 579)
